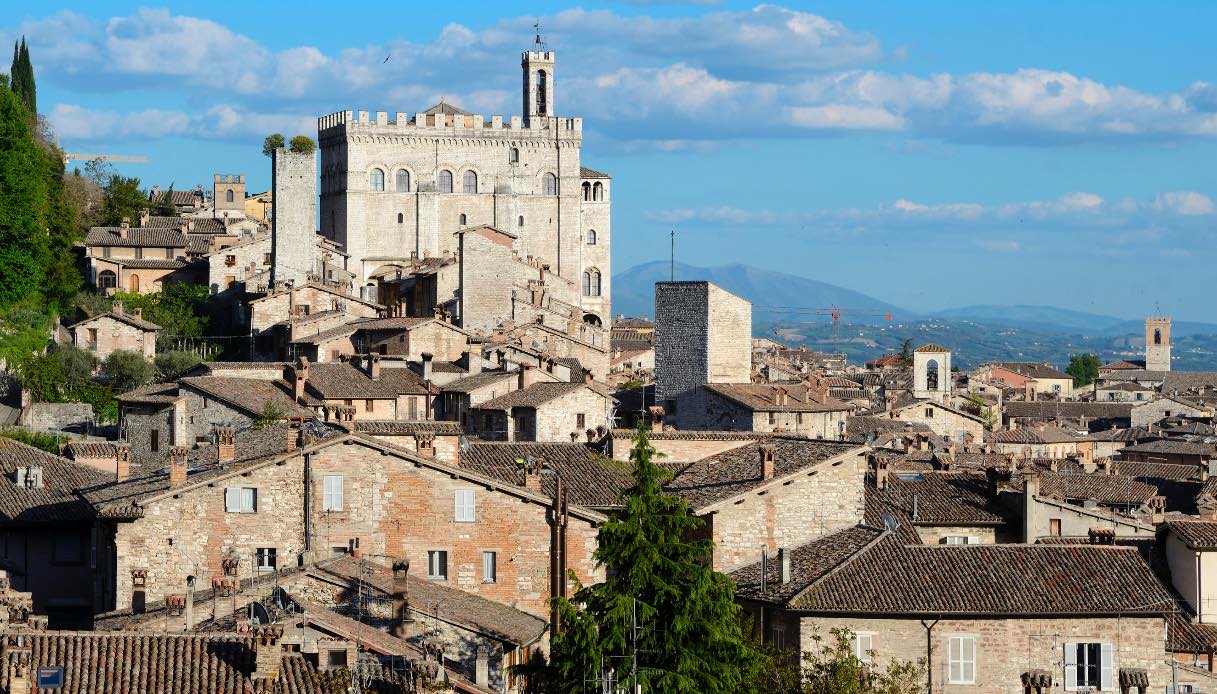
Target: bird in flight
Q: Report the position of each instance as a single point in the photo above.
(387, 58)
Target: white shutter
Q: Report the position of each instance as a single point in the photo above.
(973, 539)
(339, 492)
(1106, 667)
(1071, 666)
(232, 499)
(249, 500)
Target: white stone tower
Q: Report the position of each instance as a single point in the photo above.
(1158, 343)
(932, 373)
(294, 195)
(538, 84)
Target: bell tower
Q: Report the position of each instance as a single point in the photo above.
(538, 85)
(1158, 343)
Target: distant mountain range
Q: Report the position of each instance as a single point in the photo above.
(785, 305)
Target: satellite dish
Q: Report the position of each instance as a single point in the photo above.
(258, 614)
(889, 521)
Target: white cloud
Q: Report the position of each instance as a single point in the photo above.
(1185, 202)
(74, 122)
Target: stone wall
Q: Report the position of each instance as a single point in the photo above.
(107, 334)
(942, 421)
(820, 500)
(139, 422)
(294, 191)
(678, 450)
(58, 416)
(558, 418)
(239, 263)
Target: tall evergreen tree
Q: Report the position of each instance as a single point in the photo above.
(688, 638)
(29, 90)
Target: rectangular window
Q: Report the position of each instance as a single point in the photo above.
(336, 660)
(369, 405)
(266, 259)
(490, 567)
(929, 413)
(961, 660)
(466, 512)
(168, 254)
(1054, 527)
(241, 499)
(105, 252)
(331, 499)
(777, 635)
(437, 564)
(773, 418)
(863, 645)
(266, 558)
(154, 440)
(580, 420)
(1088, 665)
(412, 405)
(139, 254)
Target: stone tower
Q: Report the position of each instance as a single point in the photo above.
(1158, 343)
(538, 85)
(229, 192)
(703, 334)
(294, 196)
(932, 373)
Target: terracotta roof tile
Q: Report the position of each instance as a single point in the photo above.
(1056, 409)
(591, 480)
(111, 236)
(396, 427)
(1196, 534)
(1171, 446)
(1106, 489)
(941, 498)
(56, 500)
(931, 347)
(248, 394)
(533, 396)
(763, 397)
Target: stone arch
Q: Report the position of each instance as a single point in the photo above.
(587, 191)
(598, 191)
(106, 279)
(932, 373)
(591, 282)
(376, 180)
(549, 183)
(469, 181)
(592, 320)
(443, 181)
(591, 237)
(401, 180)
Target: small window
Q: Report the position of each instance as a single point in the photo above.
(777, 636)
(139, 254)
(520, 221)
(240, 500)
(1088, 665)
(580, 420)
(266, 558)
(961, 660)
(401, 218)
(437, 564)
(107, 279)
(549, 184)
(591, 282)
(929, 413)
(490, 567)
(1054, 527)
(154, 440)
(444, 181)
(369, 405)
(332, 488)
(598, 192)
(773, 418)
(471, 182)
(466, 512)
(591, 237)
(587, 191)
(376, 180)
(463, 220)
(106, 251)
(228, 196)
(266, 258)
(864, 648)
(336, 660)
(513, 156)
(402, 181)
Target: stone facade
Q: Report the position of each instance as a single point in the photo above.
(247, 262)
(1158, 343)
(396, 186)
(783, 515)
(228, 195)
(1152, 412)
(106, 333)
(946, 422)
(391, 506)
(703, 334)
(303, 301)
(294, 190)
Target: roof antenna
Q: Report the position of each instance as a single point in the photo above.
(538, 42)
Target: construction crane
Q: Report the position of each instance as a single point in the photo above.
(836, 311)
(119, 158)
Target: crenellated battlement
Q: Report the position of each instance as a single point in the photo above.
(449, 124)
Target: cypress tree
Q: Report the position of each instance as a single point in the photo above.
(29, 88)
(15, 70)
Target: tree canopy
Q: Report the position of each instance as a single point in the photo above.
(303, 144)
(1084, 368)
(21, 77)
(273, 142)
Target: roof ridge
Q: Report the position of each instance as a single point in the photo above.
(883, 533)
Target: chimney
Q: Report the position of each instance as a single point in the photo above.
(295, 433)
(401, 597)
(587, 377)
(226, 445)
(1157, 508)
(532, 475)
(374, 367)
(882, 466)
(137, 312)
(1031, 488)
(143, 217)
(117, 308)
(427, 359)
(18, 658)
(125, 228)
(766, 452)
(525, 378)
(178, 456)
(780, 397)
(783, 565)
(299, 378)
(471, 367)
(122, 462)
(189, 616)
(268, 653)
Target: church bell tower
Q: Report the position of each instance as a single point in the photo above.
(538, 86)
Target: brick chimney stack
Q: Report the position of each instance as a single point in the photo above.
(299, 378)
(428, 359)
(525, 378)
(401, 596)
(374, 367)
(532, 475)
(122, 462)
(295, 433)
(268, 651)
(178, 456)
(124, 229)
(226, 445)
(767, 459)
(783, 565)
(882, 466)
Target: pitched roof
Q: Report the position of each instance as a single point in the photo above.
(123, 317)
(154, 394)
(941, 498)
(1107, 489)
(1171, 380)
(202, 225)
(1044, 409)
(345, 380)
(462, 607)
(56, 500)
(534, 395)
(1162, 471)
(931, 347)
(1196, 534)
(1037, 435)
(399, 427)
(472, 382)
(148, 263)
(1126, 387)
(1173, 446)
(860, 427)
(763, 397)
(122, 662)
(585, 172)
(589, 479)
(808, 564)
(446, 109)
(736, 471)
(1032, 369)
(888, 576)
(248, 394)
(111, 236)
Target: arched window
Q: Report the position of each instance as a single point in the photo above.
(591, 282)
(107, 280)
(598, 191)
(471, 182)
(520, 221)
(1157, 336)
(514, 156)
(587, 191)
(542, 86)
(376, 180)
(228, 196)
(445, 181)
(549, 184)
(463, 222)
(591, 237)
(403, 181)
(400, 218)
(931, 375)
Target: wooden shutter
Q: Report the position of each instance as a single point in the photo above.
(1071, 666)
(1105, 667)
(232, 499)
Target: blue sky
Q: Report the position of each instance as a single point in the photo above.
(932, 154)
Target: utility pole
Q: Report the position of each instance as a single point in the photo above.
(673, 256)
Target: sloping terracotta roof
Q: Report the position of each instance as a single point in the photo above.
(202, 225)
(1173, 446)
(344, 380)
(446, 109)
(1037, 435)
(1032, 369)
(1196, 534)
(590, 480)
(931, 347)
(56, 500)
(1056, 409)
(534, 395)
(888, 576)
(763, 397)
(155, 394)
(472, 382)
(585, 172)
(1106, 489)
(1161, 471)
(397, 427)
(111, 236)
(941, 498)
(808, 564)
(727, 474)
(123, 317)
(248, 394)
